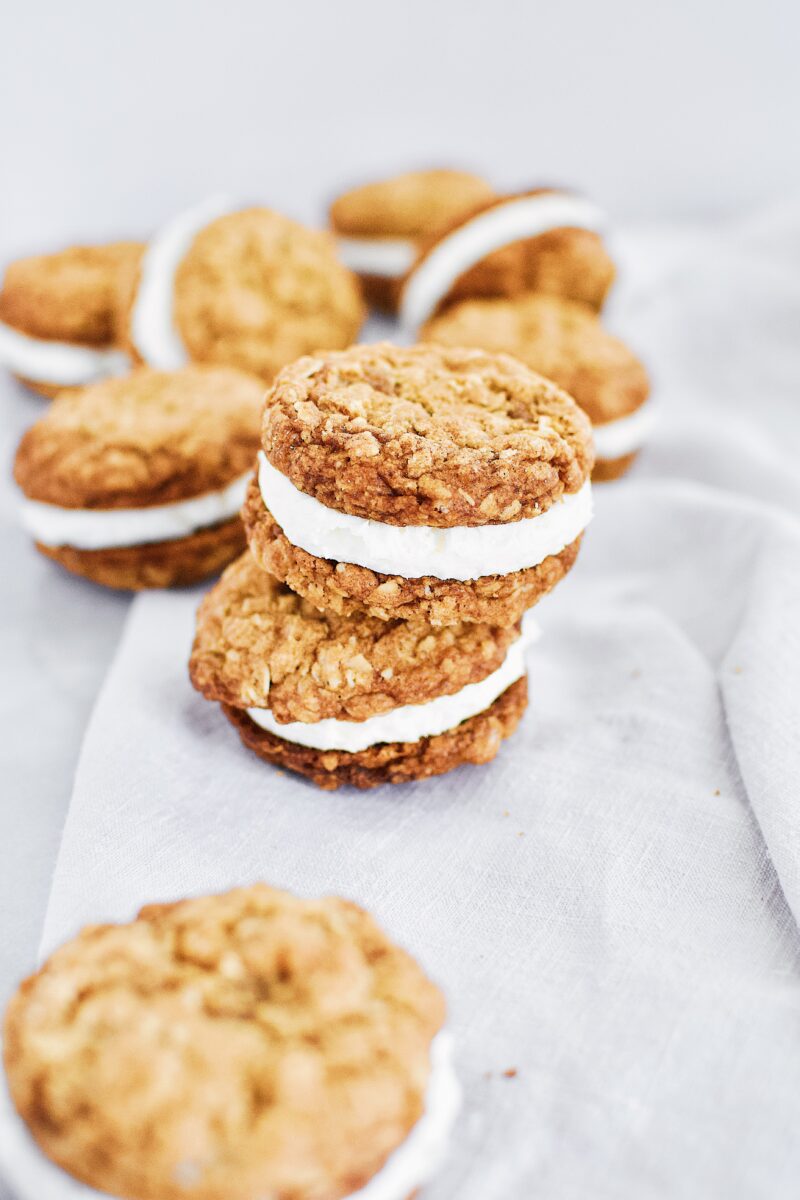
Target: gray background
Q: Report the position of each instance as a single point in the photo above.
(115, 114)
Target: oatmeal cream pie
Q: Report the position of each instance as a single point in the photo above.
(137, 482)
(230, 1047)
(422, 482)
(58, 316)
(539, 241)
(354, 699)
(566, 342)
(381, 226)
(244, 288)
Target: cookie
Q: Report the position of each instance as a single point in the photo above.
(566, 342)
(248, 289)
(539, 241)
(137, 482)
(351, 698)
(380, 226)
(58, 316)
(422, 482)
(236, 1046)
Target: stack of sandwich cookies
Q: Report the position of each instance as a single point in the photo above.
(380, 227)
(427, 483)
(230, 1047)
(542, 241)
(354, 699)
(137, 482)
(58, 316)
(565, 341)
(248, 288)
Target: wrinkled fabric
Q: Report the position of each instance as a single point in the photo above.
(612, 905)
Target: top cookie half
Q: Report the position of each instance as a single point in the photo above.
(411, 205)
(69, 296)
(426, 435)
(150, 438)
(248, 289)
(227, 1047)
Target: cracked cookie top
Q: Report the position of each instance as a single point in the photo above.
(69, 296)
(149, 438)
(260, 645)
(561, 339)
(255, 290)
(426, 435)
(232, 1046)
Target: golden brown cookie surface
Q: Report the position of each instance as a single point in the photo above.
(222, 1048)
(349, 588)
(407, 205)
(476, 741)
(426, 435)
(149, 438)
(177, 562)
(560, 339)
(256, 290)
(381, 292)
(569, 262)
(260, 645)
(69, 296)
(608, 469)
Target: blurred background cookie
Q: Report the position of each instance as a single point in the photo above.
(238, 1045)
(566, 342)
(58, 316)
(421, 482)
(544, 240)
(379, 226)
(249, 289)
(137, 482)
(353, 699)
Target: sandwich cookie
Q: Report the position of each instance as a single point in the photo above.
(540, 241)
(565, 341)
(422, 482)
(381, 226)
(353, 699)
(231, 1047)
(248, 289)
(137, 482)
(58, 316)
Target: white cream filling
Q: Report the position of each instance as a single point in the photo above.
(422, 1153)
(409, 722)
(413, 551)
(387, 257)
(65, 364)
(517, 219)
(615, 439)
(153, 331)
(34, 1177)
(100, 529)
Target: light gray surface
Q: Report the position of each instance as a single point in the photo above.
(57, 635)
(634, 916)
(611, 905)
(122, 113)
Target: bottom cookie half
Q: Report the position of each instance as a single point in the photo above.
(178, 562)
(381, 292)
(476, 740)
(48, 390)
(348, 588)
(607, 469)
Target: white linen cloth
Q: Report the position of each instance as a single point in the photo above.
(612, 905)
